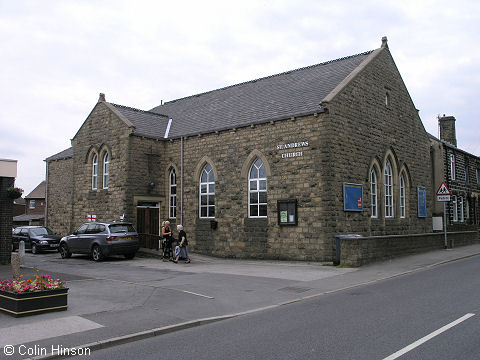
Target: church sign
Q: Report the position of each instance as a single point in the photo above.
(293, 145)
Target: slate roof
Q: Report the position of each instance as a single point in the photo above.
(25, 217)
(451, 146)
(292, 93)
(38, 192)
(147, 123)
(65, 154)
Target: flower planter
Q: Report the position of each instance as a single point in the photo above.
(30, 303)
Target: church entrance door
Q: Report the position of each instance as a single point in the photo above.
(148, 218)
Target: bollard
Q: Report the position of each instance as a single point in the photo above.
(21, 252)
(15, 266)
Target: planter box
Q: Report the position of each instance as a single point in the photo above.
(31, 303)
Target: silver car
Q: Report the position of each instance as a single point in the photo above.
(101, 239)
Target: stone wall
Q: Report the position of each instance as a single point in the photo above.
(368, 128)
(371, 119)
(101, 132)
(361, 251)
(59, 194)
(145, 180)
(358, 129)
(231, 154)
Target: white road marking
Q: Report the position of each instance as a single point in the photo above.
(428, 337)
(196, 294)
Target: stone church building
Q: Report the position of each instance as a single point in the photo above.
(270, 168)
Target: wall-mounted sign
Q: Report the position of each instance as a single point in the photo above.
(293, 145)
(422, 202)
(287, 212)
(352, 197)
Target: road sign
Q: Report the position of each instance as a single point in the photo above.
(443, 194)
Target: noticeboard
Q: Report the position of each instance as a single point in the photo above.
(422, 202)
(352, 197)
(287, 212)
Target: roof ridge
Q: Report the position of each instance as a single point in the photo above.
(138, 110)
(268, 77)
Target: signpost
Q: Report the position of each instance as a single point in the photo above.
(443, 194)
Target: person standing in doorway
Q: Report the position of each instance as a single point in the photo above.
(182, 246)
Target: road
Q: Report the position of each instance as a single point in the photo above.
(428, 314)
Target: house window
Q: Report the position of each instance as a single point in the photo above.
(207, 193)
(388, 183)
(172, 204)
(466, 175)
(455, 208)
(402, 197)
(32, 204)
(94, 172)
(461, 217)
(452, 166)
(106, 171)
(387, 99)
(257, 190)
(373, 193)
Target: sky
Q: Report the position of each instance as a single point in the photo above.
(57, 56)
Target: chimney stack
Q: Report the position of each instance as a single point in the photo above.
(384, 42)
(447, 129)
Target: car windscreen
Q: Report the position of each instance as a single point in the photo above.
(40, 231)
(121, 228)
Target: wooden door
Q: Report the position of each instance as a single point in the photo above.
(148, 220)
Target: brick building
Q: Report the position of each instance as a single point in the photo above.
(34, 207)
(270, 168)
(8, 173)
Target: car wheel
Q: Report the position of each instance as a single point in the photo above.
(97, 253)
(64, 252)
(34, 249)
(129, 256)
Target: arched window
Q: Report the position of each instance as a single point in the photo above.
(388, 184)
(207, 192)
(373, 193)
(106, 170)
(172, 195)
(257, 190)
(94, 172)
(403, 212)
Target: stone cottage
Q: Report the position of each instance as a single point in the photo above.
(460, 171)
(269, 168)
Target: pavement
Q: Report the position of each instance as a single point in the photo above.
(118, 301)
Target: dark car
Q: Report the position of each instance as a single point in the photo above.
(36, 238)
(101, 239)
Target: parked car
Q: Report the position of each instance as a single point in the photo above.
(36, 238)
(101, 239)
